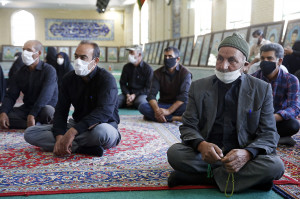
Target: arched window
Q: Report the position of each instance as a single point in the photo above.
(22, 27)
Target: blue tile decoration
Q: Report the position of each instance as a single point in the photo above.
(79, 29)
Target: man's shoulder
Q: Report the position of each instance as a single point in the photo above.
(290, 77)
(204, 82)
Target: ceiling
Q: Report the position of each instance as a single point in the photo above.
(63, 4)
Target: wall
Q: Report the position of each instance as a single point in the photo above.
(218, 15)
(262, 11)
(41, 14)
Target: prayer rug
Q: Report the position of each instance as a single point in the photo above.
(289, 185)
(139, 162)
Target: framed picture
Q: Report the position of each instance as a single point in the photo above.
(8, 52)
(122, 57)
(205, 49)
(112, 54)
(64, 49)
(146, 52)
(176, 43)
(252, 29)
(151, 52)
(243, 32)
(197, 51)
(171, 43)
(274, 32)
(292, 33)
(159, 52)
(182, 48)
(162, 53)
(188, 51)
(72, 53)
(213, 53)
(102, 57)
(154, 53)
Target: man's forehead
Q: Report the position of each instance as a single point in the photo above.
(268, 53)
(170, 52)
(84, 49)
(227, 50)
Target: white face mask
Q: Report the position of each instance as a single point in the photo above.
(15, 58)
(60, 61)
(228, 77)
(255, 40)
(82, 67)
(27, 57)
(131, 59)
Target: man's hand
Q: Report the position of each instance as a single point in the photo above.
(30, 120)
(159, 116)
(288, 51)
(210, 152)
(130, 99)
(236, 159)
(278, 117)
(4, 121)
(63, 143)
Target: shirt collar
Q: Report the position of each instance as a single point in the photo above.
(93, 73)
(165, 69)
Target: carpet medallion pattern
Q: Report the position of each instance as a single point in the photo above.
(139, 161)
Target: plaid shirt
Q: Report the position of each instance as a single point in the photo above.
(285, 93)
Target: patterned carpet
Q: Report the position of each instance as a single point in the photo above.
(138, 163)
(291, 157)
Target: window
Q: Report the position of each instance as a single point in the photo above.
(136, 24)
(22, 27)
(287, 10)
(238, 13)
(203, 16)
(144, 23)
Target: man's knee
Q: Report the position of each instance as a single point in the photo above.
(273, 167)
(175, 154)
(106, 135)
(30, 135)
(143, 108)
(46, 115)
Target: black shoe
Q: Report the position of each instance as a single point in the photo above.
(177, 178)
(288, 140)
(95, 150)
(265, 186)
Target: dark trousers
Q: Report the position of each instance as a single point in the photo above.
(18, 116)
(287, 127)
(141, 99)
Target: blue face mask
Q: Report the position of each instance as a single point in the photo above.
(169, 63)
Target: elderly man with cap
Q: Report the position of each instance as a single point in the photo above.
(228, 131)
(135, 80)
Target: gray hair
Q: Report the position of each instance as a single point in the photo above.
(96, 52)
(278, 49)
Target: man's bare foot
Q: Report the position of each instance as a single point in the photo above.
(177, 118)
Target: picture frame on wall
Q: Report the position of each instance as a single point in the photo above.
(176, 43)
(205, 49)
(182, 48)
(197, 51)
(292, 33)
(159, 52)
(112, 54)
(102, 57)
(122, 57)
(162, 57)
(171, 43)
(72, 53)
(146, 52)
(243, 32)
(213, 52)
(151, 52)
(188, 51)
(251, 30)
(8, 52)
(154, 52)
(274, 32)
(65, 49)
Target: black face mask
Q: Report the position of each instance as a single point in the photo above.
(169, 63)
(267, 67)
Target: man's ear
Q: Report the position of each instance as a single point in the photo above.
(246, 63)
(178, 59)
(97, 60)
(280, 61)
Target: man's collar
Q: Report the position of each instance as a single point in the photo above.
(93, 73)
(177, 68)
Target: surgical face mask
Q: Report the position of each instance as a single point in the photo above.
(82, 67)
(169, 63)
(255, 40)
(27, 57)
(228, 77)
(60, 61)
(267, 67)
(15, 58)
(132, 59)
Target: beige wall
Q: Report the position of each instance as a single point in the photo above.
(218, 15)
(41, 14)
(262, 11)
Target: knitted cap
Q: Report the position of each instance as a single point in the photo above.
(236, 41)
